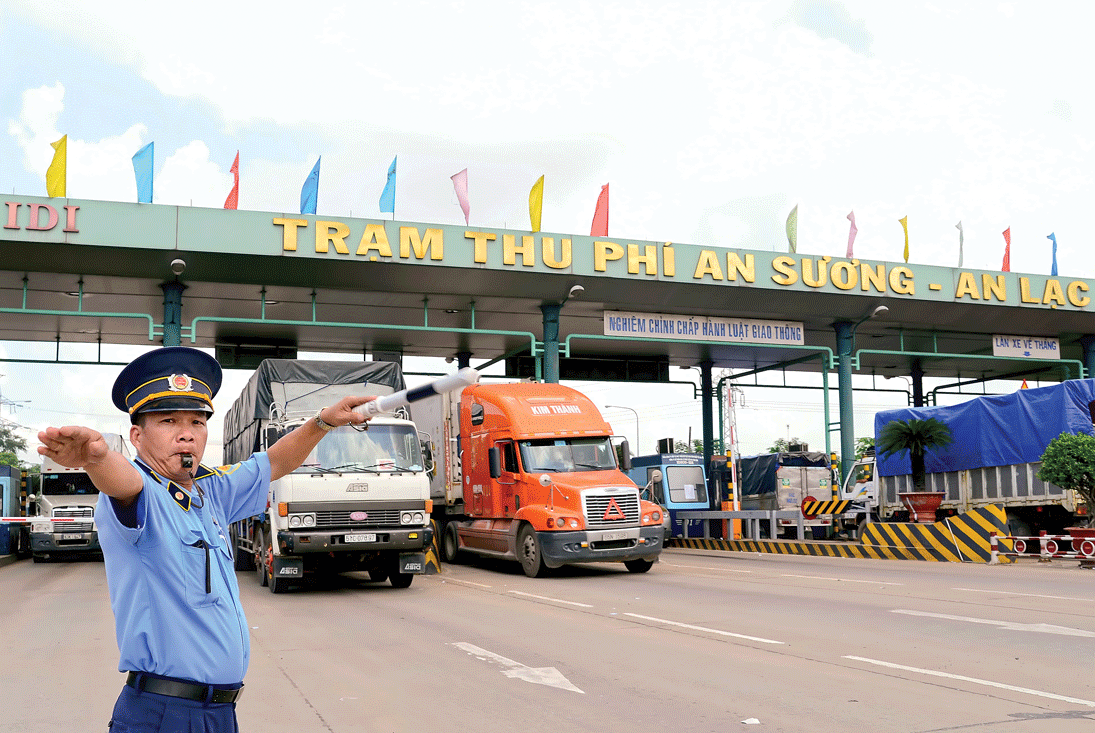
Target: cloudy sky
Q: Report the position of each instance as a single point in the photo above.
(710, 121)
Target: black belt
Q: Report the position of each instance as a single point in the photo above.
(185, 690)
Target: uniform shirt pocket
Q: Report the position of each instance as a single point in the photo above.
(200, 571)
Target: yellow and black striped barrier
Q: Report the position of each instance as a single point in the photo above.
(961, 538)
(433, 564)
(812, 509)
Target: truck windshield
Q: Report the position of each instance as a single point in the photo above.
(566, 456)
(381, 448)
(686, 483)
(67, 484)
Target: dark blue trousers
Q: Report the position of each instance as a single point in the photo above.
(145, 712)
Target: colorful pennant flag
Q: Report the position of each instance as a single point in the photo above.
(233, 199)
(1053, 269)
(536, 203)
(792, 230)
(1024, 385)
(961, 241)
(905, 225)
(600, 215)
(143, 161)
(460, 185)
(851, 234)
(57, 173)
(387, 196)
(1006, 266)
(309, 192)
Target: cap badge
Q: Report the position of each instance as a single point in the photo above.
(179, 383)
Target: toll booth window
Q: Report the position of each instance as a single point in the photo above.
(509, 456)
(686, 484)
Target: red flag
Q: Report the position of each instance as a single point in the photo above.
(600, 215)
(234, 195)
(1024, 385)
(1006, 267)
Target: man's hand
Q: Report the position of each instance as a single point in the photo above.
(342, 412)
(73, 446)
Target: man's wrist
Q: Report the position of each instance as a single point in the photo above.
(323, 424)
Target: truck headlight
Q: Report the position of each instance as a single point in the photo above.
(309, 520)
(42, 527)
(295, 521)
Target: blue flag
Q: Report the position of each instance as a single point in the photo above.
(387, 198)
(309, 193)
(142, 168)
(1053, 237)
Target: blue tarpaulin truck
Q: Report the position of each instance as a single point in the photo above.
(994, 459)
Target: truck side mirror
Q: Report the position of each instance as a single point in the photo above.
(494, 460)
(272, 435)
(625, 456)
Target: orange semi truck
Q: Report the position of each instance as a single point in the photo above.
(529, 472)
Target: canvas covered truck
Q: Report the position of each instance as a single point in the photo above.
(69, 496)
(994, 459)
(783, 481)
(529, 472)
(360, 501)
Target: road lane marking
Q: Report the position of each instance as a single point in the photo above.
(553, 600)
(703, 628)
(974, 680)
(1008, 625)
(1028, 595)
(701, 567)
(842, 580)
(536, 675)
(465, 582)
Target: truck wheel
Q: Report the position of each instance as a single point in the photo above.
(401, 580)
(529, 552)
(450, 544)
(39, 558)
(378, 575)
(260, 559)
(241, 559)
(278, 585)
(638, 566)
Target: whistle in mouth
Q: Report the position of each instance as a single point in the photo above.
(187, 460)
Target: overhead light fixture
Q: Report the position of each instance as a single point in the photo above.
(451, 311)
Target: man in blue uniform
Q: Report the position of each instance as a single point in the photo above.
(162, 521)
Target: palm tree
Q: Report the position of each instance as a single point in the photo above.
(917, 437)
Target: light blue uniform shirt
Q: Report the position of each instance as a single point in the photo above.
(166, 622)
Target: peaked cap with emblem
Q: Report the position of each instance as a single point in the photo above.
(167, 379)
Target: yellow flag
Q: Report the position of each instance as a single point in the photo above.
(536, 203)
(58, 169)
(905, 225)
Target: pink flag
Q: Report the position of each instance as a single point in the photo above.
(234, 195)
(851, 234)
(1006, 267)
(600, 215)
(460, 183)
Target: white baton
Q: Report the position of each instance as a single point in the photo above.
(392, 402)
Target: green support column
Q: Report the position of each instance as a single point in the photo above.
(172, 312)
(708, 429)
(845, 336)
(1088, 342)
(551, 341)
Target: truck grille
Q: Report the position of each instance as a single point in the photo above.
(73, 512)
(598, 506)
(341, 518)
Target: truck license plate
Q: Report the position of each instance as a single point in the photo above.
(361, 537)
(71, 536)
(609, 536)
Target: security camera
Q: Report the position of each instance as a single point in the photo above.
(178, 267)
(575, 291)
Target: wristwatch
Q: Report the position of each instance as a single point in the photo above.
(324, 426)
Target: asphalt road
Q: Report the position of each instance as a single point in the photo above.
(703, 642)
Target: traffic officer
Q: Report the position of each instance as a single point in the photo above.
(162, 521)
